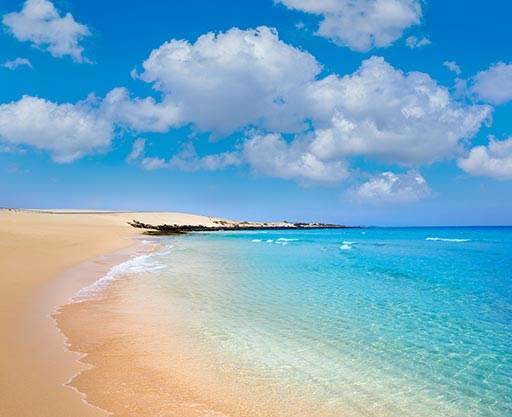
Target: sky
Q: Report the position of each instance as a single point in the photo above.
(361, 112)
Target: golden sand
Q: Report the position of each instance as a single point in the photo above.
(35, 247)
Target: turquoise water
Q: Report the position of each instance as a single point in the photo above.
(375, 322)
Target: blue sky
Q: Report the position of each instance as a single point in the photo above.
(374, 112)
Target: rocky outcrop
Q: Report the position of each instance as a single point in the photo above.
(232, 226)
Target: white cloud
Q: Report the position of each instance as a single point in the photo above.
(221, 83)
(413, 42)
(189, 160)
(224, 82)
(266, 154)
(453, 67)
(300, 26)
(15, 63)
(138, 149)
(309, 127)
(153, 163)
(138, 156)
(271, 155)
(67, 131)
(494, 160)
(140, 114)
(495, 84)
(381, 113)
(186, 160)
(389, 187)
(361, 24)
(235, 80)
(40, 23)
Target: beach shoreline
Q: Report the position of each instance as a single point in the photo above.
(70, 284)
(37, 247)
(243, 324)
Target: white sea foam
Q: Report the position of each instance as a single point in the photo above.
(256, 240)
(284, 241)
(141, 263)
(348, 243)
(440, 239)
(269, 241)
(345, 247)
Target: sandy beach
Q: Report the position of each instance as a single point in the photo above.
(244, 324)
(36, 247)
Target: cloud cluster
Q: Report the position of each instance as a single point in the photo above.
(224, 82)
(186, 160)
(414, 42)
(271, 155)
(389, 187)
(40, 23)
(15, 63)
(189, 160)
(296, 123)
(267, 154)
(361, 24)
(494, 160)
(239, 79)
(67, 131)
(495, 84)
(140, 114)
(453, 67)
(382, 113)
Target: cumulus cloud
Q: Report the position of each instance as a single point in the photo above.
(382, 113)
(189, 160)
(140, 114)
(186, 160)
(494, 160)
(414, 42)
(138, 156)
(308, 126)
(40, 23)
(361, 24)
(240, 79)
(266, 154)
(67, 131)
(389, 187)
(271, 155)
(453, 67)
(495, 84)
(138, 149)
(226, 81)
(15, 63)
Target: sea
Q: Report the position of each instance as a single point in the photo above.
(339, 322)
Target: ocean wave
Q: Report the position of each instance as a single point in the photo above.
(441, 239)
(348, 243)
(346, 247)
(280, 241)
(142, 263)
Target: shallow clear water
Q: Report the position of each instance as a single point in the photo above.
(377, 322)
